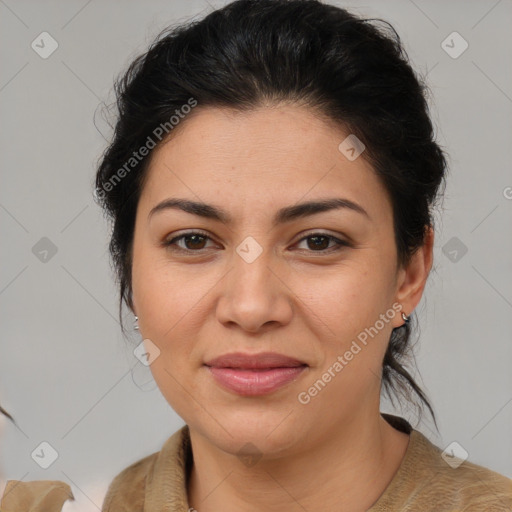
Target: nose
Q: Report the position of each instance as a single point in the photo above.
(255, 296)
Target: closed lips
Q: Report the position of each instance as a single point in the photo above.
(261, 361)
(252, 375)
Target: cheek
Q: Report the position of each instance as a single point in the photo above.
(163, 293)
(167, 302)
(349, 298)
(349, 304)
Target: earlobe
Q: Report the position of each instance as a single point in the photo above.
(405, 318)
(414, 275)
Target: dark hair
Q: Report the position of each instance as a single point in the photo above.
(349, 70)
(5, 413)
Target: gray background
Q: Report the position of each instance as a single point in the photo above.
(67, 375)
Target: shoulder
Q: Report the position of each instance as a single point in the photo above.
(471, 486)
(430, 479)
(128, 487)
(150, 477)
(446, 481)
(50, 495)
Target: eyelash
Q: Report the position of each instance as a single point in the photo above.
(339, 243)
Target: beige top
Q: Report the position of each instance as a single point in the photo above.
(424, 482)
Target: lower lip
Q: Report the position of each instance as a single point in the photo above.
(255, 382)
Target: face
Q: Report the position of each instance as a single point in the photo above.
(265, 276)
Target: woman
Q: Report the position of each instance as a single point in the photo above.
(271, 184)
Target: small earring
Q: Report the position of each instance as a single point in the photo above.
(405, 318)
(136, 326)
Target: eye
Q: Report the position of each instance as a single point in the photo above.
(320, 242)
(195, 241)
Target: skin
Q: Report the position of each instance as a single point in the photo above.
(335, 452)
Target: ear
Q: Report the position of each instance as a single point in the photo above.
(412, 278)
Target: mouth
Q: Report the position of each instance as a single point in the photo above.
(256, 374)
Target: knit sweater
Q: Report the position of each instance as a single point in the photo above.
(426, 481)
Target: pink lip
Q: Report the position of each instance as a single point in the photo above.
(257, 374)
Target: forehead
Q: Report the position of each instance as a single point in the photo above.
(261, 158)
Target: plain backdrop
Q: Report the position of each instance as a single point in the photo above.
(66, 373)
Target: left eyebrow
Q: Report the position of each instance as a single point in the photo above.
(284, 215)
(290, 213)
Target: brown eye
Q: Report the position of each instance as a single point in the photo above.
(192, 242)
(196, 242)
(320, 242)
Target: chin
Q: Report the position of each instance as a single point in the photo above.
(269, 432)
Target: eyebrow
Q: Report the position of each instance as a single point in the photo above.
(286, 214)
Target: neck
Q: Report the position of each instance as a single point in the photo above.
(348, 470)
